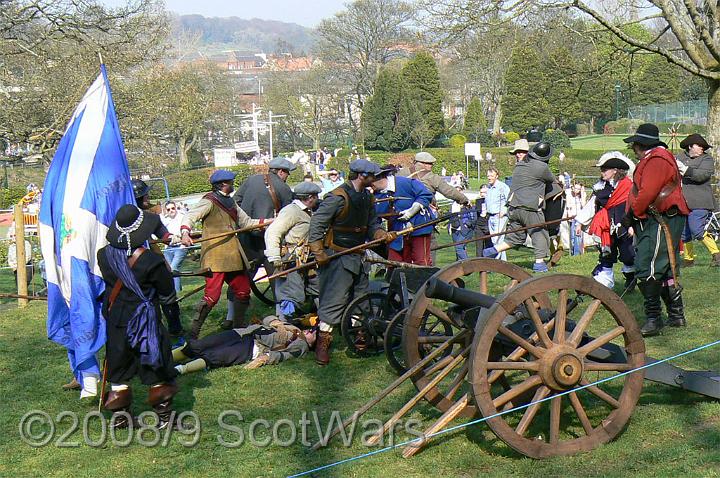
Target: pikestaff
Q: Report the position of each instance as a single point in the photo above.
(254, 227)
(362, 247)
(502, 233)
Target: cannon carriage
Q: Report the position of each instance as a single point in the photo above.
(534, 357)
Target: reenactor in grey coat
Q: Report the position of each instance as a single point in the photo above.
(697, 168)
(422, 169)
(346, 218)
(286, 244)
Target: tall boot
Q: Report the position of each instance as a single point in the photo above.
(160, 397)
(630, 282)
(651, 289)
(674, 306)
(239, 313)
(322, 347)
(178, 355)
(118, 401)
(172, 314)
(203, 310)
(192, 366)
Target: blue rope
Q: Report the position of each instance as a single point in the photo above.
(521, 407)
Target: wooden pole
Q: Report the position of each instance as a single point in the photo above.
(398, 381)
(22, 289)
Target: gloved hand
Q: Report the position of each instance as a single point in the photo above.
(276, 261)
(410, 212)
(682, 167)
(257, 362)
(318, 251)
(175, 240)
(390, 236)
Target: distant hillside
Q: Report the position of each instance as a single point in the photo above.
(255, 35)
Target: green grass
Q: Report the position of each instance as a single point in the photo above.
(605, 142)
(670, 433)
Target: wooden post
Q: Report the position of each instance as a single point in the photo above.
(20, 252)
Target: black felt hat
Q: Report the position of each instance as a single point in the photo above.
(647, 134)
(133, 224)
(695, 139)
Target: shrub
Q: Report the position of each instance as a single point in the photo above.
(582, 129)
(511, 136)
(457, 141)
(557, 138)
(11, 196)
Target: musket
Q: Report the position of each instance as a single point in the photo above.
(192, 292)
(387, 262)
(502, 233)
(224, 234)
(19, 296)
(364, 246)
(198, 273)
(392, 198)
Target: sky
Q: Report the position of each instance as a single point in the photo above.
(303, 12)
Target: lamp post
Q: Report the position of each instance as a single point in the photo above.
(617, 101)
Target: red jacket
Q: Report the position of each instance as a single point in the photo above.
(654, 171)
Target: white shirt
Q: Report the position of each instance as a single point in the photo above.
(173, 225)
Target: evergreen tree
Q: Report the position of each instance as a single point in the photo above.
(475, 123)
(562, 91)
(422, 80)
(388, 116)
(659, 83)
(524, 104)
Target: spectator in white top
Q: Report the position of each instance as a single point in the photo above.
(174, 253)
(12, 256)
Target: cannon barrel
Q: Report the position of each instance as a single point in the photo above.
(439, 289)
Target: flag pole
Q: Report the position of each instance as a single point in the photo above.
(101, 58)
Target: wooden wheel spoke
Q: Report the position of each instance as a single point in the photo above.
(537, 322)
(555, 408)
(458, 380)
(531, 366)
(583, 323)
(517, 390)
(601, 394)
(602, 340)
(440, 314)
(560, 316)
(536, 351)
(433, 339)
(532, 410)
(580, 411)
(439, 365)
(606, 367)
(484, 282)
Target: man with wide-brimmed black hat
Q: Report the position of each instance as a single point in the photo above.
(697, 168)
(656, 208)
(137, 282)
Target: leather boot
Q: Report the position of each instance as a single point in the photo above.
(160, 397)
(674, 306)
(630, 282)
(715, 262)
(119, 403)
(164, 412)
(239, 311)
(172, 314)
(651, 289)
(322, 348)
(197, 323)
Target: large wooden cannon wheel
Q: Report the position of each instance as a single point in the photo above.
(488, 276)
(561, 357)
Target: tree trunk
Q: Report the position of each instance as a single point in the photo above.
(592, 125)
(182, 151)
(713, 122)
(497, 118)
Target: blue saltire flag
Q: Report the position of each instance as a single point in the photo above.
(88, 181)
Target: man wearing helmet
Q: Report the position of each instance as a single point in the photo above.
(530, 180)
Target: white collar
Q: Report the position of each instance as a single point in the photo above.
(391, 184)
(300, 204)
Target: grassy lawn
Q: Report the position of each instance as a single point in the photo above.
(670, 432)
(605, 142)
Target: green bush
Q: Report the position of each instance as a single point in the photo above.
(511, 136)
(457, 141)
(582, 129)
(557, 138)
(484, 138)
(11, 196)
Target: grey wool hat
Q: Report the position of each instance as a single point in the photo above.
(282, 163)
(306, 189)
(425, 157)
